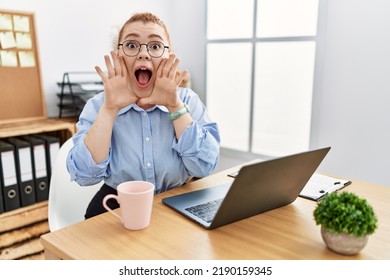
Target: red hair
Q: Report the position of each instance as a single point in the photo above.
(145, 18)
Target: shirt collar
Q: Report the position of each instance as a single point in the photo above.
(139, 109)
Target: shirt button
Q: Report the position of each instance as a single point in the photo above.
(148, 164)
(145, 114)
(147, 139)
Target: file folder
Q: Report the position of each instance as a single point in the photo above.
(9, 184)
(38, 155)
(52, 144)
(24, 170)
(1, 199)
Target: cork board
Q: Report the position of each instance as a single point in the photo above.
(21, 91)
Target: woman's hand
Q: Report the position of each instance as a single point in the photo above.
(166, 83)
(117, 92)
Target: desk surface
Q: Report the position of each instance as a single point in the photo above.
(288, 232)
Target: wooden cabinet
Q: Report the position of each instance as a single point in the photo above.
(23, 112)
(20, 232)
(20, 229)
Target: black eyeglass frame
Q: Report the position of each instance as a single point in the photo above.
(146, 45)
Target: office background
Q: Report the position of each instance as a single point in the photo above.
(351, 100)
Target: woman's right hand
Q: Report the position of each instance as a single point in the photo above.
(117, 92)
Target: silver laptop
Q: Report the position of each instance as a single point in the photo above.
(257, 188)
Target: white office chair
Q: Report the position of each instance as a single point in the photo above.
(67, 200)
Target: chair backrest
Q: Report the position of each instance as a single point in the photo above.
(67, 199)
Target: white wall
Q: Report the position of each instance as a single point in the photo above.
(352, 95)
(351, 110)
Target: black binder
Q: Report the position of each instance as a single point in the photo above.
(24, 170)
(52, 144)
(1, 199)
(38, 156)
(8, 178)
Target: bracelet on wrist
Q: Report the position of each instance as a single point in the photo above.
(180, 112)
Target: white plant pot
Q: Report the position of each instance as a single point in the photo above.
(343, 243)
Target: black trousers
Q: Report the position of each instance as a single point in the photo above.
(96, 207)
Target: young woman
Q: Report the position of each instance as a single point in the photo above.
(143, 126)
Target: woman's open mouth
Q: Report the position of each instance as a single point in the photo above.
(143, 76)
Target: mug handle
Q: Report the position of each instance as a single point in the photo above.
(105, 199)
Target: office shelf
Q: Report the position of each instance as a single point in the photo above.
(21, 228)
(76, 88)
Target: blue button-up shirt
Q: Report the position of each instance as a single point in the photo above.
(144, 146)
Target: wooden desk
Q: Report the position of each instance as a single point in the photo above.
(288, 232)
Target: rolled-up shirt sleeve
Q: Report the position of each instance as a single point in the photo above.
(199, 149)
(82, 168)
(198, 146)
(80, 164)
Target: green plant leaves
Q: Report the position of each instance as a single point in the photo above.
(345, 212)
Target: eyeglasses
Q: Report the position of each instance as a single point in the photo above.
(132, 48)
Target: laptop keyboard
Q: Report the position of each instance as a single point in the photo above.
(205, 211)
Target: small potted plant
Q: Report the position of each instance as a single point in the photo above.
(346, 222)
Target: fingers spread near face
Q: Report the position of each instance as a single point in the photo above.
(118, 68)
(115, 68)
(181, 77)
(174, 68)
(109, 66)
(168, 67)
(119, 65)
(161, 67)
(102, 75)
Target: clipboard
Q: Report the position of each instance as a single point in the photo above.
(320, 185)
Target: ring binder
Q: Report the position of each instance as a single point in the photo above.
(8, 177)
(24, 170)
(38, 155)
(52, 145)
(1, 199)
